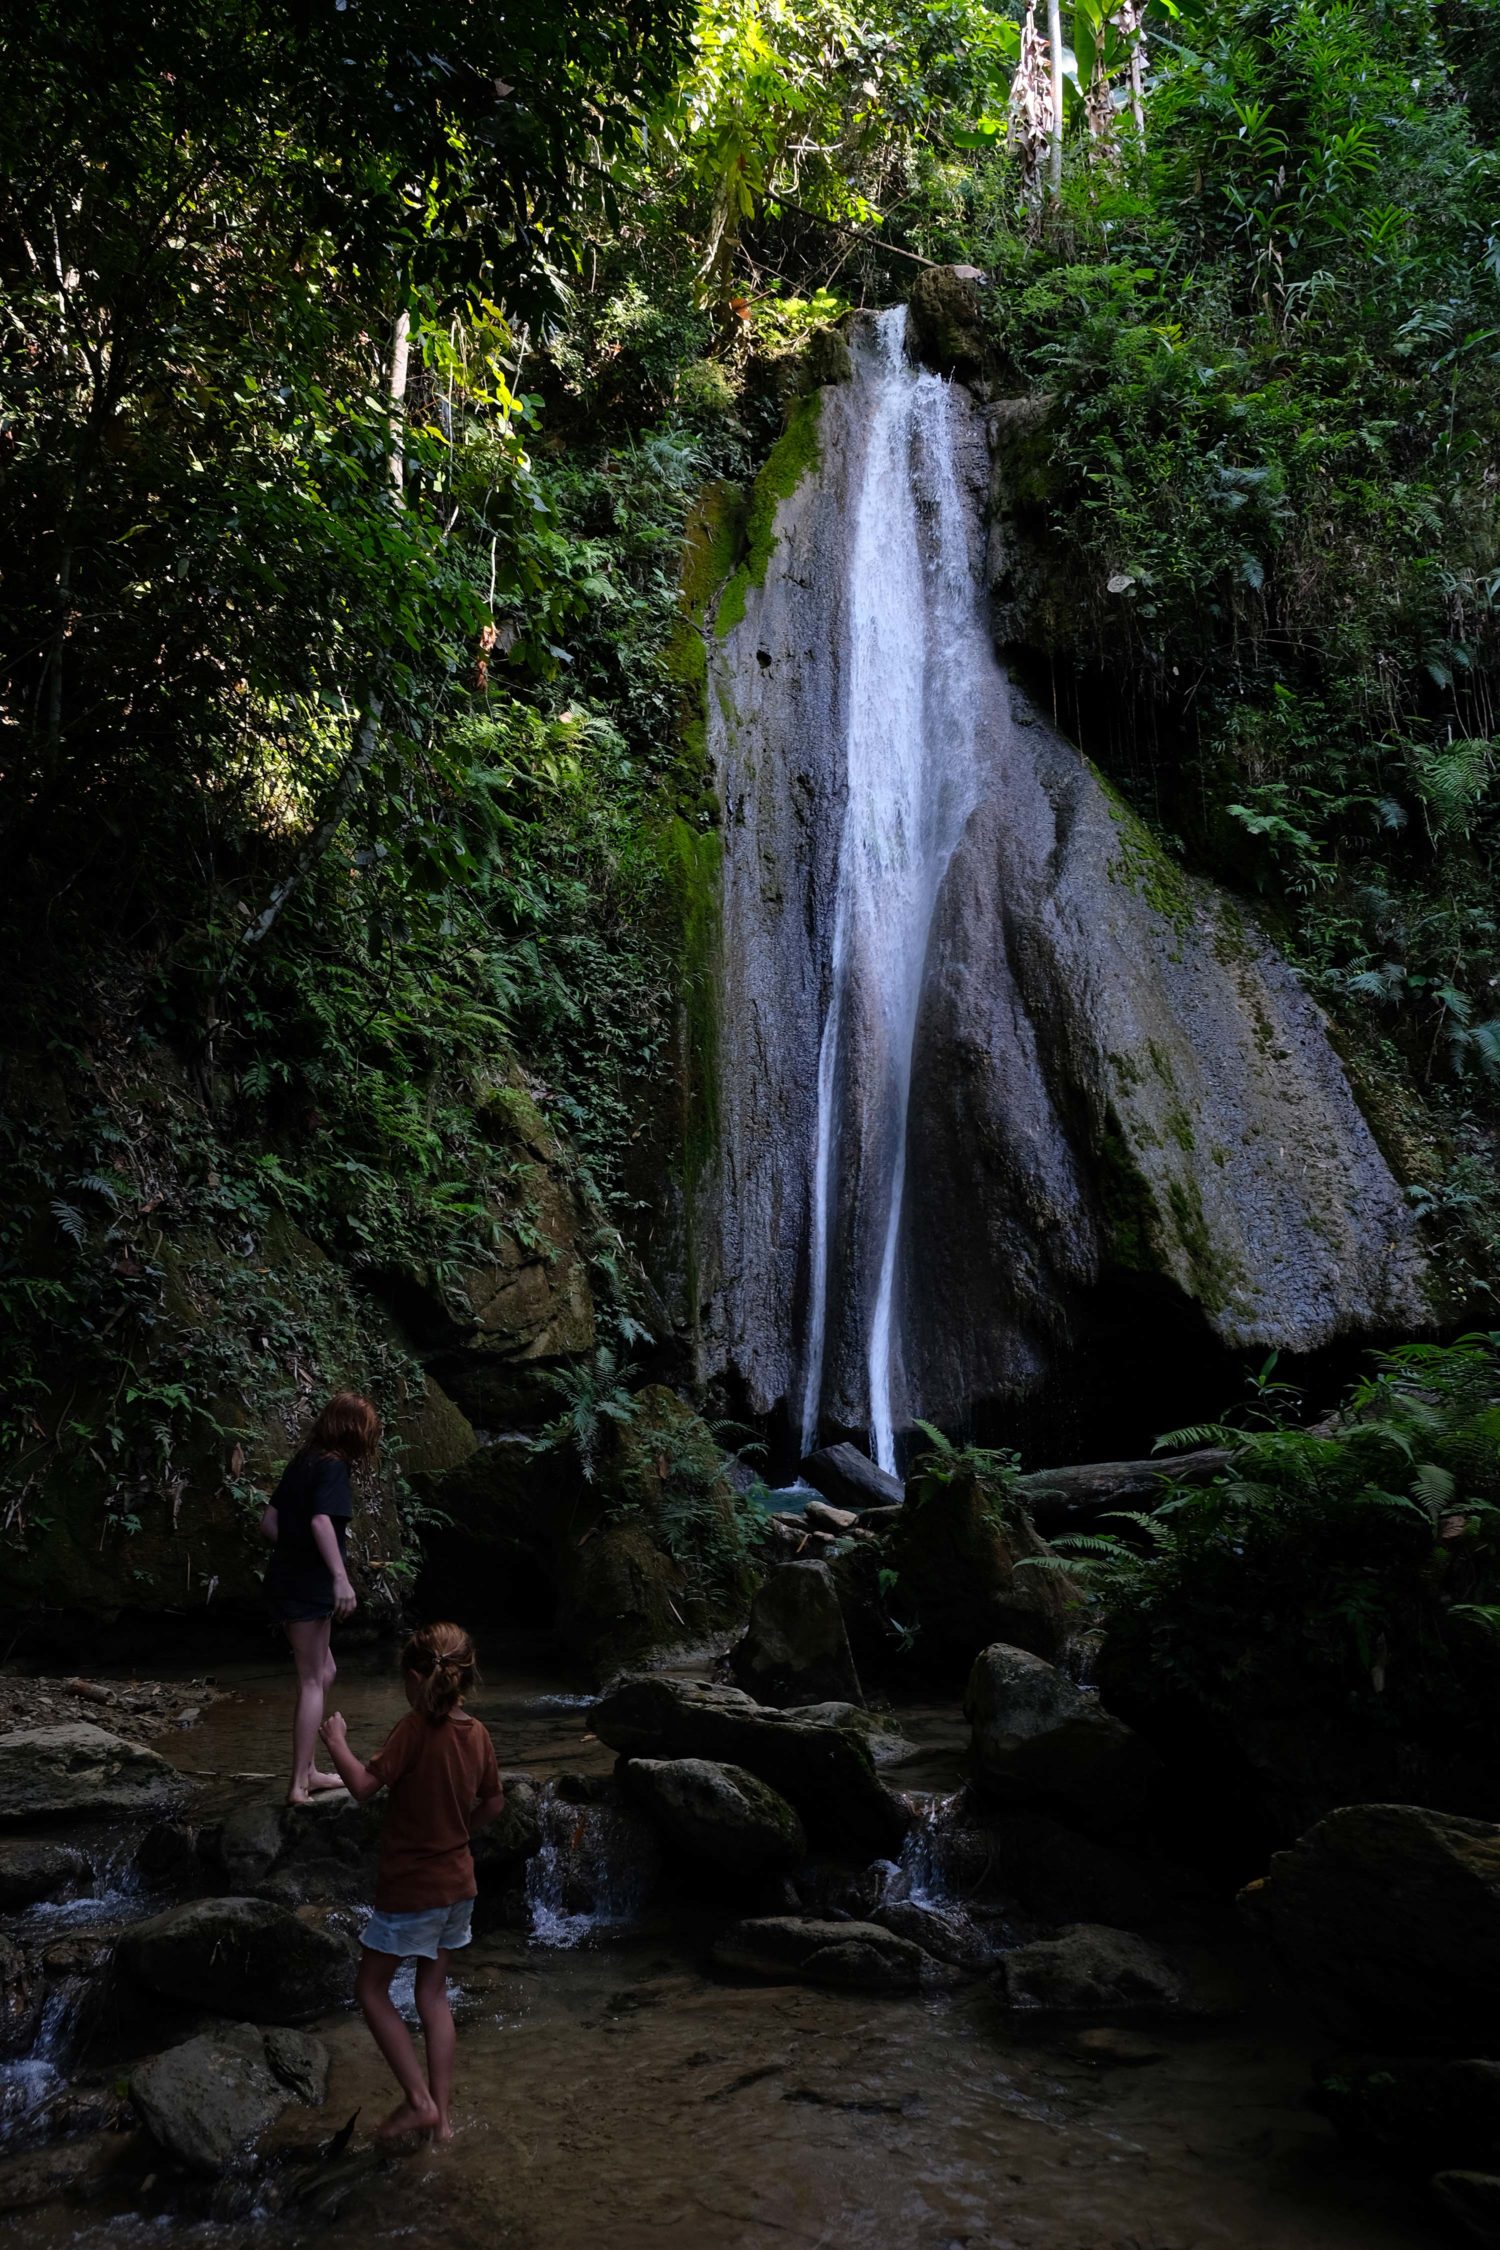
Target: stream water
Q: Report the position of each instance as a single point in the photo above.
(611, 2091)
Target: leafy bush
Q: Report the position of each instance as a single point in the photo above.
(1362, 1558)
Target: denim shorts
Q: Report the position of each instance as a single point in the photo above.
(427, 1932)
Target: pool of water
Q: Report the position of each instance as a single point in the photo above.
(618, 2097)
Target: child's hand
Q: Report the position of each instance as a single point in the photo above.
(333, 1730)
(344, 1599)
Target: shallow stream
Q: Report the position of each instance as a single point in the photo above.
(612, 2094)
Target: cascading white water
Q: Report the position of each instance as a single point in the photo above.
(919, 654)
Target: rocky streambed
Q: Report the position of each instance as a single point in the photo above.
(735, 1978)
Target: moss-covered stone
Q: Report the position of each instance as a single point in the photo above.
(797, 453)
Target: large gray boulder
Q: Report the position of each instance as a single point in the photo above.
(1391, 1914)
(853, 1956)
(239, 1957)
(944, 325)
(1038, 1739)
(1086, 1968)
(796, 1648)
(817, 1758)
(207, 2101)
(69, 1772)
(719, 1814)
(850, 1478)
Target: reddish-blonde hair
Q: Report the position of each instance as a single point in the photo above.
(348, 1426)
(442, 1658)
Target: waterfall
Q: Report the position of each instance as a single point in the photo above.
(987, 1063)
(918, 655)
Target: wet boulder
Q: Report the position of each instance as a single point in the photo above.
(796, 1648)
(957, 1548)
(207, 2101)
(851, 1956)
(1038, 1739)
(1471, 2201)
(1087, 1968)
(30, 1871)
(1391, 1914)
(818, 1758)
(943, 1931)
(239, 1956)
(67, 1772)
(850, 1478)
(718, 1814)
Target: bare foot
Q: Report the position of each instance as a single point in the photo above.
(298, 1797)
(316, 1780)
(406, 2119)
(443, 2129)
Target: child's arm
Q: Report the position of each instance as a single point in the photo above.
(326, 1540)
(270, 1523)
(488, 1809)
(357, 1778)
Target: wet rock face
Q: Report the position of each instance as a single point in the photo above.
(1390, 1914)
(796, 1649)
(238, 1957)
(1038, 1739)
(207, 2101)
(1422, 2113)
(816, 1758)
(1118, 1085)
(720, 1815)
(67, 1772)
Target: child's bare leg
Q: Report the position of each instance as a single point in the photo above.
(309, 1643)
(441, 2039)
(315, 1778)
(372, 1989)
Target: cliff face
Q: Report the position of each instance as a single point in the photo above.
(1110, 1072)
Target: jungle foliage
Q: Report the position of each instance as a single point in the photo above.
(361, 366)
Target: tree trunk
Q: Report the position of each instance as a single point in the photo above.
(396, 387)
(1055, 60)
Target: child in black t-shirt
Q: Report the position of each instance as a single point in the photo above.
(307, 1584)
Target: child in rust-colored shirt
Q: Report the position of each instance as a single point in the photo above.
(439, 1767)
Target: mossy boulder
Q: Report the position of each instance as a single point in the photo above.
(944, 322)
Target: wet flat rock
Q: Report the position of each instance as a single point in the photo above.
(817, 1757)
(850, 1956)
(69, 1772)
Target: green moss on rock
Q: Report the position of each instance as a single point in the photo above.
(796, 454)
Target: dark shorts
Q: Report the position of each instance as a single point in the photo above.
(288, 1609)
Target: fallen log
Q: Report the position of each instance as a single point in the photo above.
(1057, 1499)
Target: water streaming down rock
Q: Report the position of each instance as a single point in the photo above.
(911, 781)
(984, 1052)
(592, 1874)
